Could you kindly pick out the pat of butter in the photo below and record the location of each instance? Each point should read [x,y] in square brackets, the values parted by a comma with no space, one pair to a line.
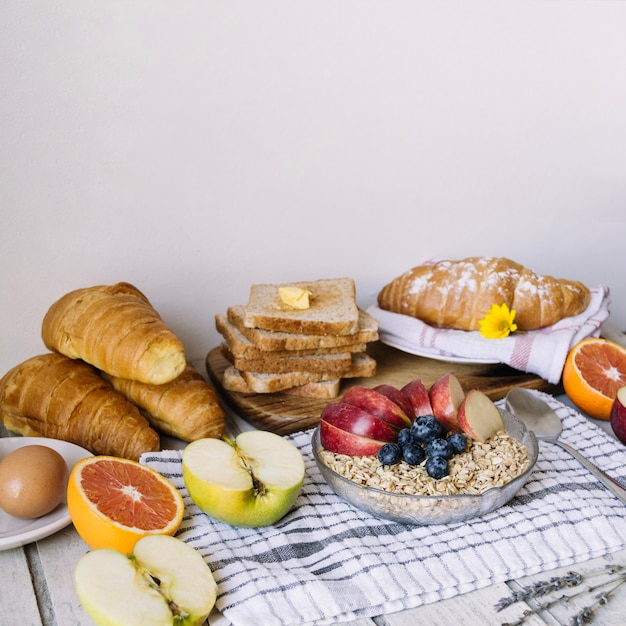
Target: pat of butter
[295,297]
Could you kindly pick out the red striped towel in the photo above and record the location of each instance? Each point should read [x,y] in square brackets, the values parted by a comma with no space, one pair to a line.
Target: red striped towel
[542,352]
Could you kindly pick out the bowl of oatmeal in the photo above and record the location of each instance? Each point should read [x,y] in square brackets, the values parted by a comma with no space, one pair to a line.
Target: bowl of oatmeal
[480,480]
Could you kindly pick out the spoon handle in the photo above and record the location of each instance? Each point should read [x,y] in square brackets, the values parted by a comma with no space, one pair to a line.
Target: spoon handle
[615,487]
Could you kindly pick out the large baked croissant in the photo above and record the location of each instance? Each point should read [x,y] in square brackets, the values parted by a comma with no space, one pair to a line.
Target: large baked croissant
[185,408]
[117,330]
[51,395]
[458,294]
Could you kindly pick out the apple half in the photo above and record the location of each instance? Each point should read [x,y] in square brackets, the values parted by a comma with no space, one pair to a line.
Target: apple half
[250,481]
[163,582]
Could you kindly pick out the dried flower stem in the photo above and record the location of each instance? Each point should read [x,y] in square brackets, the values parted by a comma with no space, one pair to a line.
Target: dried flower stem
[570,579]
[585,615]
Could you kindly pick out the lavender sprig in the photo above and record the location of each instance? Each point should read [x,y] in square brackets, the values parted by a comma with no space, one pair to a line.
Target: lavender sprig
[570,579]
[540,588]
[585,615]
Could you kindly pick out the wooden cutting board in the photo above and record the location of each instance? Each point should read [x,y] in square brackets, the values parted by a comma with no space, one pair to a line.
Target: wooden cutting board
[283,414]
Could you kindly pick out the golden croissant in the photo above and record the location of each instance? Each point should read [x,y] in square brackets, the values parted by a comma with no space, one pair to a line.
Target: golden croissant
[458,294]
[186,408]
[51,395]
[117,330]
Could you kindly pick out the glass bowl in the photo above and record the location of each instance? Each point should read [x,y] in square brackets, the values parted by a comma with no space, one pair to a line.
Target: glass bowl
[425,510]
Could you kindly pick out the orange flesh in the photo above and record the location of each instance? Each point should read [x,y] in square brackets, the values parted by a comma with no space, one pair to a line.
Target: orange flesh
[128,495]
[604,368]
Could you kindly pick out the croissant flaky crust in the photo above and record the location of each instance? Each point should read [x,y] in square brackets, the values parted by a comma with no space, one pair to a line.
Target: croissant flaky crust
[51,395]
[458,294]
[117,330]
[186,408]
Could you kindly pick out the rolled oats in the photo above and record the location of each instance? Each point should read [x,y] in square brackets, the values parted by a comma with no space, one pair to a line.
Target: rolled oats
[482,466]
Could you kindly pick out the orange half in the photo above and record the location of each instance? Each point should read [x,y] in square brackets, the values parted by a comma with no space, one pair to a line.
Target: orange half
[113,502]
[594,370]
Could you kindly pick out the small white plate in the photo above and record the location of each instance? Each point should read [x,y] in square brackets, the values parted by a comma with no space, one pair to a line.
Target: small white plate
[418,351]
[16,532]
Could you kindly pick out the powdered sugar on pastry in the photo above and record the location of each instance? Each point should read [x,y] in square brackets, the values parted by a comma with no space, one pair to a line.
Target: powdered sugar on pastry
[458,294]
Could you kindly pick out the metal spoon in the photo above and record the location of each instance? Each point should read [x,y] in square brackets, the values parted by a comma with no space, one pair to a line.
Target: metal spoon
[546,424]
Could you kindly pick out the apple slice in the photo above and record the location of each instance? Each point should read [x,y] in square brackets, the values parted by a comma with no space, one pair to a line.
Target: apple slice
[446,396]
[396,396]
[341,441]
[164,581]
[377,404]
[618,415]
[417,395]
[479,417]
[358,421]
[252,481]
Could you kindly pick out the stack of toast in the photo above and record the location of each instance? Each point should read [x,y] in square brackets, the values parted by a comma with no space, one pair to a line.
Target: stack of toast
[273,347]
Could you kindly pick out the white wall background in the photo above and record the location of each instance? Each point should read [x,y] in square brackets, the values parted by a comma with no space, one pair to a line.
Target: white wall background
[196,148]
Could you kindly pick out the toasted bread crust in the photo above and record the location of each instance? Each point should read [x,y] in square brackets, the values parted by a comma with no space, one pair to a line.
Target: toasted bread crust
[278,340]
[363,366]
[242,347]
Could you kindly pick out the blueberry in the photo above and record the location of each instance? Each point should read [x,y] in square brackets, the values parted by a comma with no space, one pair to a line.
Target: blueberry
[437,467]
[404,437]
[458,441]
[413,453]
[390,454]
[439,447]
[426,428]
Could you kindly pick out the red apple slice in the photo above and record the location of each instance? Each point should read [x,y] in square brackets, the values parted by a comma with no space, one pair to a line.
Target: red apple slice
[479,417]
[355,420]
[417,395]
[618,415]
[377,404]
[342,442]
[446,396]
[396,396]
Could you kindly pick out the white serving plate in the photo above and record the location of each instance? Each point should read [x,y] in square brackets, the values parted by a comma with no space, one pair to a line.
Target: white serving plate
[16,532]
[419,351]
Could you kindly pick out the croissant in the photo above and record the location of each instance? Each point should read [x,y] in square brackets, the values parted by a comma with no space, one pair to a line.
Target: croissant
[186,408]
[53,396]
[458,294]
[115,329]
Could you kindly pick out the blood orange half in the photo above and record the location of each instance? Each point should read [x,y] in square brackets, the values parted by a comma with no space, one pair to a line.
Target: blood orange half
[113,502]
[594,370]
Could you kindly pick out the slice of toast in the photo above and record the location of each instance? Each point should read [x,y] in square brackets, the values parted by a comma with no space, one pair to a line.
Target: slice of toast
[277,340]
[260,382]
[240,346]
[363,366]
[336,364]
[332,310]
[323,389]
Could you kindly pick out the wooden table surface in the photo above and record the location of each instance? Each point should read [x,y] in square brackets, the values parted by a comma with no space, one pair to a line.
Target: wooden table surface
[37,588]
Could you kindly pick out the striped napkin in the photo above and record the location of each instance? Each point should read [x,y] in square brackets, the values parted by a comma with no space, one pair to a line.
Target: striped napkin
[542,352]
[328,562]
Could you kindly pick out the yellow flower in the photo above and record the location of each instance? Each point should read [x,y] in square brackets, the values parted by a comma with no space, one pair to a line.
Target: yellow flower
[498,323]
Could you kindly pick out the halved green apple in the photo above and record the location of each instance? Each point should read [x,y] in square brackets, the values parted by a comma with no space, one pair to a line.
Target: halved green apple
[252,481]
[163,582]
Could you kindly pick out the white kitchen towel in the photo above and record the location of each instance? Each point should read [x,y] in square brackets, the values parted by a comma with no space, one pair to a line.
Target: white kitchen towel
[328,562]
[542,352]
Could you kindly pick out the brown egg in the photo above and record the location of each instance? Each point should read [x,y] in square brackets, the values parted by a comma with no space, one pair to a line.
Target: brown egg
[33,480]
